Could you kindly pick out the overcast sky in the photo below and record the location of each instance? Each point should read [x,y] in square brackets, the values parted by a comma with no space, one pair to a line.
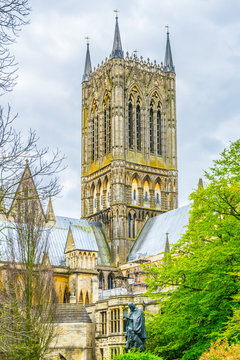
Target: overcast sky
[205,41]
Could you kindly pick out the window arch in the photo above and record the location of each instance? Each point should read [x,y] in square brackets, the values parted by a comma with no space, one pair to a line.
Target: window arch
[87,300]
[130,123]
[94,135]
[146,192]
[159,135]
[66,296]
[157,196]
[101,281]
[81,297]
[110,281]
[134,191]
[129,225]
[151,127]
[138,124]
[107,114]
[134,226]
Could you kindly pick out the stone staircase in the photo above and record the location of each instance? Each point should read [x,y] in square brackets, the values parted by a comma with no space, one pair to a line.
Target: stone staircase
[72,313]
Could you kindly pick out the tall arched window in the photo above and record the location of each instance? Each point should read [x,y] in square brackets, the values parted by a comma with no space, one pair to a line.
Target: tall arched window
[81,297]
[87,298]
[151,128]
[130,123]
[66,296]
[138,124]
[101,281]
[107,115]
[159,142]
[94,142]
[134,226]
[129,225]
[110,281]
[109,128]
[105,131]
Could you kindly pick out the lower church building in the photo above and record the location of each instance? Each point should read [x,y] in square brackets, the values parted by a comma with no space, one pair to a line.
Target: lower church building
[130,213]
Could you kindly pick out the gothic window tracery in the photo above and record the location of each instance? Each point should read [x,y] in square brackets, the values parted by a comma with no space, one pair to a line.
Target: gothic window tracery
[138,124]
[159,143]
[151,128]
[146,192]
[129,225]
[134,121]
[107,114]
[95,132]
[134,226]
[130,122]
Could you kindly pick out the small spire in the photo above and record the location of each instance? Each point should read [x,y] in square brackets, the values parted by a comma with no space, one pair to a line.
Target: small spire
[167,246]
[117,51]
[50,213]
[168,61]
[200,184]
[88,66]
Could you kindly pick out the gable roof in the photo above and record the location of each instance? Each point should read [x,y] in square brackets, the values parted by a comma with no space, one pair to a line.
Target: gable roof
[57,238]
[152,239]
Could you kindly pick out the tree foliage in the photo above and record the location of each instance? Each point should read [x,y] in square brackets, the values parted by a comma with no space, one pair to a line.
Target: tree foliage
[222,351]
[200,276]
[137,355]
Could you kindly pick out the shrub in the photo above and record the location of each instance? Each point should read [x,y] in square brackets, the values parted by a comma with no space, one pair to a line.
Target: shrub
[137,355]
[222,350]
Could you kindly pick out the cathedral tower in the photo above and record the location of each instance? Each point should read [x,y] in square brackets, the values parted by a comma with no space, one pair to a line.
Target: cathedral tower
[129,150]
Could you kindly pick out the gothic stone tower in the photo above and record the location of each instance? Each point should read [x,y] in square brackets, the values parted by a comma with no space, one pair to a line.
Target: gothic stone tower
[129,151]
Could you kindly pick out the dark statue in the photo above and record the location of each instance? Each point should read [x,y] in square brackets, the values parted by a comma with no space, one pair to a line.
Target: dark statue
[135,329]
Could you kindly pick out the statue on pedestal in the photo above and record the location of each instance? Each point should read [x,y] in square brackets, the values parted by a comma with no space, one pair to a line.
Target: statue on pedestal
[135,329]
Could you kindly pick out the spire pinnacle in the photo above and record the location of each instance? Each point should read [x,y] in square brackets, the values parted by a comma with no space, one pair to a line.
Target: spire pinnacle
[117,51]
[168,61]
[88,66]
[50,213]
[167,246]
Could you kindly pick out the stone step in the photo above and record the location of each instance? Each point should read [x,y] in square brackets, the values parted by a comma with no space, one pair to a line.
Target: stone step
[71,313]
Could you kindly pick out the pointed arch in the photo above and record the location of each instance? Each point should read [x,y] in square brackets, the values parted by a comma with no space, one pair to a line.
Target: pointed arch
[130,122]
[94,130]
[129,225]
[107,116]
[81,297]
[151,126]
[138,123]
[87,299]
[66,296]
[134,225]
[110,281]
[159,130]
[101,281]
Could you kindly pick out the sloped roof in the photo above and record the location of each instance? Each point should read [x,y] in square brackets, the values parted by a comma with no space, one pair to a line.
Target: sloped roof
[152,239]
[87,235]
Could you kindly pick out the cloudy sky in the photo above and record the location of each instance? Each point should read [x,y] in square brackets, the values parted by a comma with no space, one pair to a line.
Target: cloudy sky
[205,40]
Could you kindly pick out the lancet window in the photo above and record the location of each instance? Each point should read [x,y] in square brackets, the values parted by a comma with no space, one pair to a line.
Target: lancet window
[107,113]
[159,143]
[155,126]
[138,124]
[130,122]
[95,140]
[134,121]
[151,127]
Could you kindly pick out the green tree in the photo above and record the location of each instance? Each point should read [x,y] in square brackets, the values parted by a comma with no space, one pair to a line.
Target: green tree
[200,276]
